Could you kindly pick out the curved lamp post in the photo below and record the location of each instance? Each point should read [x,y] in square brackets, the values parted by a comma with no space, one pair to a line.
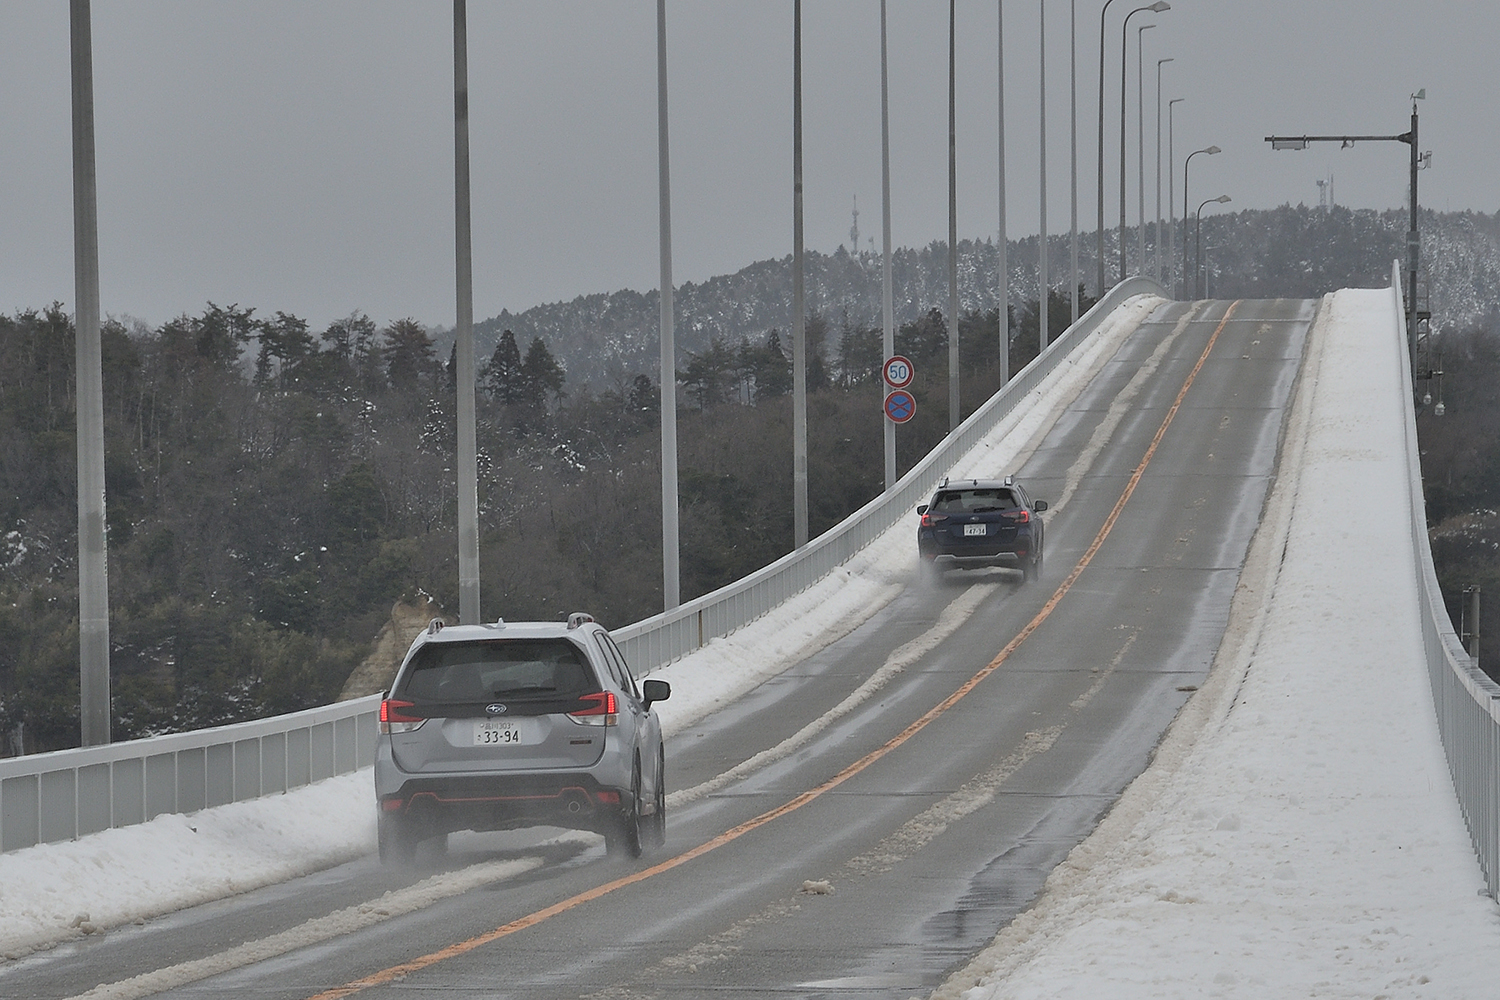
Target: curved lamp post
[1140,147]
[1156,226]
[1157,7]
[1210,150]
[1099,230]
[1172,198]
[1198,238]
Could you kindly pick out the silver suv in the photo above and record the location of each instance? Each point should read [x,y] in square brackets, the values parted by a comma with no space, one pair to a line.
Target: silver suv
[492,727]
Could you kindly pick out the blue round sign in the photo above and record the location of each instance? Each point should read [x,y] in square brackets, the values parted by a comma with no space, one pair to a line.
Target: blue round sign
[900,406]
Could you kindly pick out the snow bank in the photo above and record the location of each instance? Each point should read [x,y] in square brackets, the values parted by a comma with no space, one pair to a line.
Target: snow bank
[55,892]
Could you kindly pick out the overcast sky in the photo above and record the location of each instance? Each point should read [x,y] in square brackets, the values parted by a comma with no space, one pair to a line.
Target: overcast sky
[298,154]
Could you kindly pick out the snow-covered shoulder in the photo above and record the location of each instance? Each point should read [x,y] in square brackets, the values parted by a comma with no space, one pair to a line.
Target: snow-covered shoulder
[55,892]
[1298,835]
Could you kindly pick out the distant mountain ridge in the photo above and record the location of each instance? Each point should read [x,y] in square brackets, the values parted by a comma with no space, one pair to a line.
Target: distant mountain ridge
[606,339]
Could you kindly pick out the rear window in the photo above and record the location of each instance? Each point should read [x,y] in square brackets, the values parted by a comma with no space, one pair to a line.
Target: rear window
[973,501]
[511,668]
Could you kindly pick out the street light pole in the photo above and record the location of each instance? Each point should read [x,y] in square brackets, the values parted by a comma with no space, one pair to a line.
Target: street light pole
[1100,190]
[1140,147]
[1043,285]
[887,301]
[671,585]
[1198,240]
[1156,226]
[799,300]
[1002,294]
[468,453]
[1073,158]
[1210,150]
[1157,7]
[1171,200]
[93,571]
[953,407]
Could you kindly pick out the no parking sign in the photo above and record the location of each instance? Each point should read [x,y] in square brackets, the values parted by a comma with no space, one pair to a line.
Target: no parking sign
[900,406]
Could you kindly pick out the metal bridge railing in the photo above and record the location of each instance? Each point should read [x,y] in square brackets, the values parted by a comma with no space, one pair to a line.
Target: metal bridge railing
[57,796]
[66,794]
[1466,699]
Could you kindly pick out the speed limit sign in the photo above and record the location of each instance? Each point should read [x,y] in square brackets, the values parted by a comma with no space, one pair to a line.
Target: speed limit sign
[898,372]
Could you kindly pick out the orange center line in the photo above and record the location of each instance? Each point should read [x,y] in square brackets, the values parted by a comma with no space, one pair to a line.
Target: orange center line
[396,972]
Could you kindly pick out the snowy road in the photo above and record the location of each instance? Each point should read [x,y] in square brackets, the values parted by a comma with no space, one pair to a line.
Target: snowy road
[930,767]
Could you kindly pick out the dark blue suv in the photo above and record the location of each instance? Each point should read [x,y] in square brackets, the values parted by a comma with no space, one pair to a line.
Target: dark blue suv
[981,522]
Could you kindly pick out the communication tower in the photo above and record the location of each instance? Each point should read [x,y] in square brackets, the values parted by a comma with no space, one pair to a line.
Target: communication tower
[854,229]
[1325,194]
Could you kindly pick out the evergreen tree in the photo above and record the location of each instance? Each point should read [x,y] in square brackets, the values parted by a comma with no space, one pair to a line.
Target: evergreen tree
[858,359]
[709,374]
[817,352]
[773,369]
[220,334]
[542,377]
[284,341]
[644,399]
[408,355]
[502,376]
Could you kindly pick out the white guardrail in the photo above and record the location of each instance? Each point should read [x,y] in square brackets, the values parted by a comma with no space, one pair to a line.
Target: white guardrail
[50,797]
[1466,699]
[66,794]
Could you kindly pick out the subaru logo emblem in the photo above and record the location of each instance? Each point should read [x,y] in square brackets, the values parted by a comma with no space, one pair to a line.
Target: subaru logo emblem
[494,709]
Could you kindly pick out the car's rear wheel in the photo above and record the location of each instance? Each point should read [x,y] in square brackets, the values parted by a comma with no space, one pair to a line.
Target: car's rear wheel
[932,572]
[1034,568]
[397,838]
[622,835]
[656,834]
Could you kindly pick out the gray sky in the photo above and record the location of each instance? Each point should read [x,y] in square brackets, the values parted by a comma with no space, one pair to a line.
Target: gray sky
[298,154]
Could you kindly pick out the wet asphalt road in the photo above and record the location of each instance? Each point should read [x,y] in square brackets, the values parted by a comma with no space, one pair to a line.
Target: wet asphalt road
[930,839]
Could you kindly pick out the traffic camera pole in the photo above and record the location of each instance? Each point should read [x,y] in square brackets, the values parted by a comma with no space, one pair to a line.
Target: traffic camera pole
[1413,236]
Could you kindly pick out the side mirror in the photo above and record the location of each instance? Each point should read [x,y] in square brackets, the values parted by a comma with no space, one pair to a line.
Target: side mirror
[653,691]
[1039,506]
[921,508]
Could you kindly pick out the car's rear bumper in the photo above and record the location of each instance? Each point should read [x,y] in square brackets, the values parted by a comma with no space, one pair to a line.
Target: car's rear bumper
[950,560]
[491,802]
[994,553]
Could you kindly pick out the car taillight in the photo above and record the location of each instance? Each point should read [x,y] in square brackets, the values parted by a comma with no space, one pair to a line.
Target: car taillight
[602,712]
[928,520]
[1021,516]
[393,720]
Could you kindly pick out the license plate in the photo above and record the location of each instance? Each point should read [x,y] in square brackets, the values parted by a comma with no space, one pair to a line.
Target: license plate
[495,733]
[974,529]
